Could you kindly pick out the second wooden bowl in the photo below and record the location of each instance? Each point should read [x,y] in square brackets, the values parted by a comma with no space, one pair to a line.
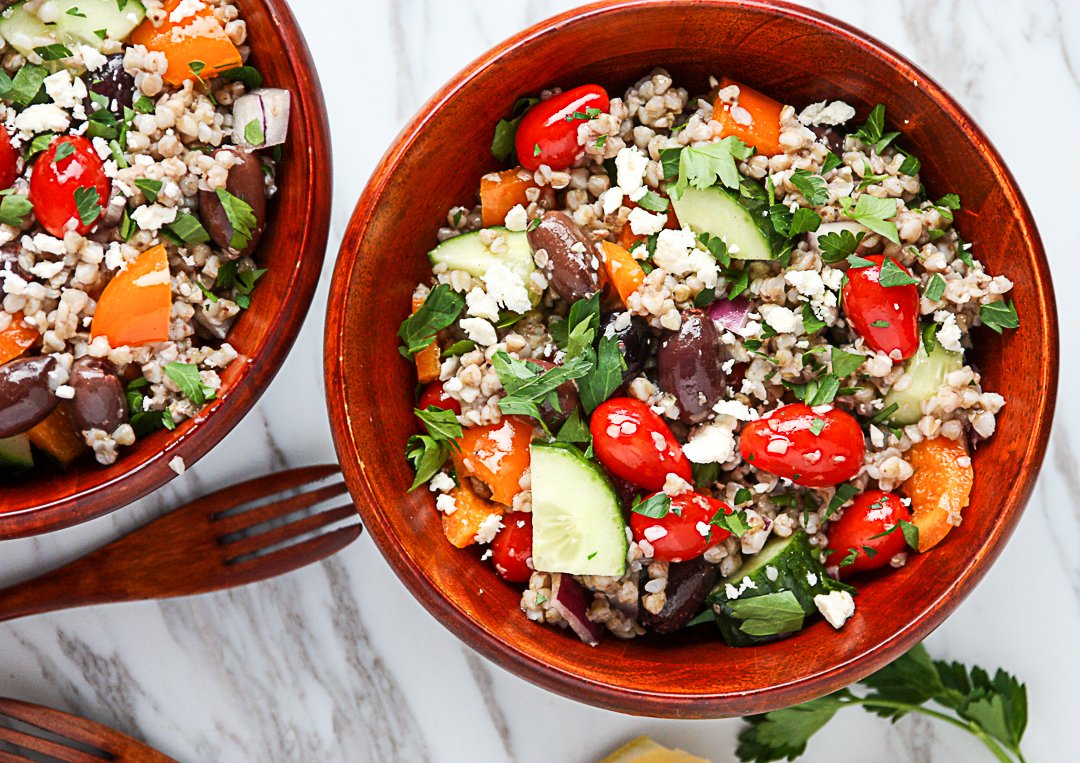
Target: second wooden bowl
[795,55]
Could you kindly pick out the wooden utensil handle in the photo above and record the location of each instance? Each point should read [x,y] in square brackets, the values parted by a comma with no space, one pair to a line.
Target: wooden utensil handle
[73,585]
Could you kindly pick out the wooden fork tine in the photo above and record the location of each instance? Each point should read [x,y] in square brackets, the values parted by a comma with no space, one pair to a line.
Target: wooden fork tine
[230,497]
[253,517]
[46,747]
[270,538]
[74,728]
[299,555]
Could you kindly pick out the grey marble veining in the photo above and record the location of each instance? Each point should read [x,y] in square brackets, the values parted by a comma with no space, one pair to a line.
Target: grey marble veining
[339,663]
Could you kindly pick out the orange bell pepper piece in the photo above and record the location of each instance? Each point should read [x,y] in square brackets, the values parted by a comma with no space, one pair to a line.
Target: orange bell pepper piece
[428,360]
[472,511]
[136,305]
[56,436]
[500,192]
[756,119]
[497,455]
[196,39]
[940,488]
[16,339]
[623,271]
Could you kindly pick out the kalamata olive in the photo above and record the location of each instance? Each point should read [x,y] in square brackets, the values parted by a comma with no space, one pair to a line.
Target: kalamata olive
[635,340]
[568,398]
[571,260]
[99,401]
[688,583]
[833,137]
[690,366]
[9,260]
[26,397]
[113,82]
[247,183]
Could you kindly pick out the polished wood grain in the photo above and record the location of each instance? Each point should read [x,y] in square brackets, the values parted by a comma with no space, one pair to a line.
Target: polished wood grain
[292,248]
[34,733]
[241,534]
[795,55]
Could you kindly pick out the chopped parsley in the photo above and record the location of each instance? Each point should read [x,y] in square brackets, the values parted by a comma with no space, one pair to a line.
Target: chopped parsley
[811,186]
[838,246]
[873,132]
[14,208]
[441,308]
[703,166]
[87,204]
[874,213]
[241,219]
[999,315]
[935,289]
[656,507]
[893,275]
[187,377]
[151,188]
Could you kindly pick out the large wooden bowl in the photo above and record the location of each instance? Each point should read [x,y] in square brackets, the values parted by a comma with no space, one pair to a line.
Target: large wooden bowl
[292,247]
[796,55]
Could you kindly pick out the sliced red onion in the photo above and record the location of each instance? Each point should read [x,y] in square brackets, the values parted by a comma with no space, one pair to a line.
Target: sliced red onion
[571,601]
[269,107]
[730,313]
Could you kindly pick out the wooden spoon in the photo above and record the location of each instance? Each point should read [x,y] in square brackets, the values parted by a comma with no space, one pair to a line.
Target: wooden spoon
[229,538]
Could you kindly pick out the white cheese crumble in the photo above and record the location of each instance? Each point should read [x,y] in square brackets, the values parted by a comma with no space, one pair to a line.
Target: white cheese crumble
[185,10]
[806,282]
[479,330]
[654,533]
[506,288]
[836,607]
[782,319]
[441,483]
[630,164]
[65,91]
[825,113]
[949,334]
[744,585]
[677,253]
[674,485]
[482,305]
[489,528]
[42,117]
[712,443]
[517,219]
[645,223]
[611,199]
[65,392]
[153,216]
[446,504]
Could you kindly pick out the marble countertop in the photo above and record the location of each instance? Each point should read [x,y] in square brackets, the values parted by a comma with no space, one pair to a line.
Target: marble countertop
[339,663]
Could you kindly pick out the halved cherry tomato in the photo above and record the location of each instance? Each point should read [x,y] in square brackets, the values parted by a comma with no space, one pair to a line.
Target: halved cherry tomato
[9,160]
[633,443]
[55,186]
[784,443]
[684,533]
[547,133]
[886,317]
[435,395]
[497,455]
[871,514]
[512,548]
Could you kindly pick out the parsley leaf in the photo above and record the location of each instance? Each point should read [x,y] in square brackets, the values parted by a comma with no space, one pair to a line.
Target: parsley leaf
[998,316]
[893,275]
[836,247]
[873,132]
[502,143]
[253,133]
[845,363]
[151,188]
[844,493]
[735,522]
[811,186]
[189,380]
[832,161]
[528,385]
[656,507]
[53,52]
[811,323]
[874,213]
[935,288]
[606,375]
[440,424]
[574,430]
[14,208]
[427,456]
[768,615]
[25,85]
[441,308]
[88,204]
[704,165]
[189,229]
[653,202]
[241,219]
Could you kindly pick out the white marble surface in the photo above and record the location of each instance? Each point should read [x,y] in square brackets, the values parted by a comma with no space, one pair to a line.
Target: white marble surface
[338,663]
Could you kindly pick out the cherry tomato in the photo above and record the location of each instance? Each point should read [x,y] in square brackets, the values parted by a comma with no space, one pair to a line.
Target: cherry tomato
[9,160]
[547,134]
[886,317]
[871,514]
[684,533]
[814,449]
[435,395]
[633,443]
[512,548]
[54,186]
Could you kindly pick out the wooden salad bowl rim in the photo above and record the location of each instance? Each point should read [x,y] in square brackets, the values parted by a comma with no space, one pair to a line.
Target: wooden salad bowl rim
[298,226]
[363,458]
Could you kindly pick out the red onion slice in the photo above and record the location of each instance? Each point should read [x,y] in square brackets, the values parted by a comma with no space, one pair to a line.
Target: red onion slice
[570,600]
[730,313]
[269,107]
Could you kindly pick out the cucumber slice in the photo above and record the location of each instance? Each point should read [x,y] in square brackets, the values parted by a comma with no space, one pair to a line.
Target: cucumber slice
[467,252]
[15,455]
[721,214]
[784,564]
[25,31]
[578,525]
[927,372]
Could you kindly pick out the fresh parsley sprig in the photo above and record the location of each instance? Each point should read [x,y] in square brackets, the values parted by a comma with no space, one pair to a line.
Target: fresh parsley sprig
[873,132]
[994,709]
[441,308]
[704,165]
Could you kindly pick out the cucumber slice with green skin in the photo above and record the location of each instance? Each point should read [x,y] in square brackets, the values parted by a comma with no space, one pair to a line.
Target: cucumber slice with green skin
[25,31]
[578,525]
[467,252]
[15,454]
[784,564]
[927,372]
[734,220]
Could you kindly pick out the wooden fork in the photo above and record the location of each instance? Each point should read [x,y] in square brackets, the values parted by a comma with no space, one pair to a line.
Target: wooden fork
[229,538]
[33,733]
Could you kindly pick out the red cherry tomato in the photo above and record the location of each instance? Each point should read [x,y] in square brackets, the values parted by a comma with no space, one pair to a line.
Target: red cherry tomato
[547,133]
[435,395]
[9,160]
[886,317]
[633,443]
[784,443]
[512,548]
[54,184]
[684,533]
[871,514]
